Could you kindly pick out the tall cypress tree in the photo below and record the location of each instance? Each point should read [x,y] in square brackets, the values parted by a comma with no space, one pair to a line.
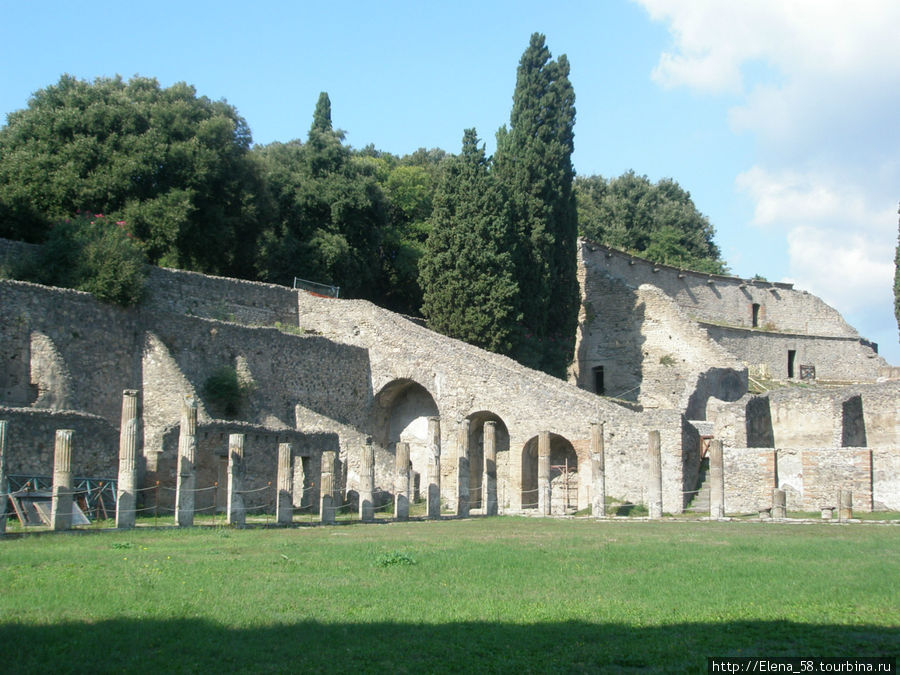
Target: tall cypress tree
[534,165]
[467,272]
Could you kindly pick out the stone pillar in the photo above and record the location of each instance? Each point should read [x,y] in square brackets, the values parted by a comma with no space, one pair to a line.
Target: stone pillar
[236,512]
[61,504]
[401,482]
[128,441]
[284,502]
[845,505]
[489,479]
[778,504]
[187,456]
[326,488]
[654,476]
[367,483]
[716,480]
[4,479]
[543,477]
[433,497]
[462,469]
[598,471]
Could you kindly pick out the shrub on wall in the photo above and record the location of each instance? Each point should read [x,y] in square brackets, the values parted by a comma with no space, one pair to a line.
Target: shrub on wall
[225,390]
[90,253]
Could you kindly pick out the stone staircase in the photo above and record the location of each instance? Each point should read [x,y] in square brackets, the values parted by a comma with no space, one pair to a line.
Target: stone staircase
[700,502]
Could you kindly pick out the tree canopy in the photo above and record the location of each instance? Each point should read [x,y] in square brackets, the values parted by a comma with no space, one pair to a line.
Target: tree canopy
[655,220]
[175,166]
[534,166]
[467,273]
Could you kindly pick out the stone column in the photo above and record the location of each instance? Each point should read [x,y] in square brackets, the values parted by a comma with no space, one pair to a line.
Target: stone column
[778,504]
[61,504]
[845,505]
[654,476]
[236,512]
[433,497]
[187,456]
[401,482]
[4,479]
[326,488]
[543,477]
[598,471]
[128,441]
[716,480]
[284,502]
[489,479]
[367,483]
[462,469]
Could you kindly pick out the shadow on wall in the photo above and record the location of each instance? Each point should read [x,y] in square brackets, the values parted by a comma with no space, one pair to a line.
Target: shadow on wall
[725,384]
[609,356]
[196,645]
[760,432]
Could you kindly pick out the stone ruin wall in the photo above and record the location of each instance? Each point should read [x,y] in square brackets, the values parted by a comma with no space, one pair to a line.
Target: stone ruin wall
[845,359]
[650,350]
[813,443]
[721,299]
[786,318]
[64,350]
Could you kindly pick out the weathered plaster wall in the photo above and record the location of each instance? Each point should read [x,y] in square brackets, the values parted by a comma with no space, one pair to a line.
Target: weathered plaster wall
[725,299]
[766,353]
[649,349]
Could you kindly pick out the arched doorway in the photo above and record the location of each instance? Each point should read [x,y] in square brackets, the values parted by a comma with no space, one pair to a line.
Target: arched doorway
[476,458]
[401,411]
[564,480]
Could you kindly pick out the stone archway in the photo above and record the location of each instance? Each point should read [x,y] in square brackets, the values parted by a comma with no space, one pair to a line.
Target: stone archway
[477,466]
[400,413]
[564,477]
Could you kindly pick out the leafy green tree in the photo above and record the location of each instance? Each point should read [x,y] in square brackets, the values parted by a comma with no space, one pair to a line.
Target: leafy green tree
[657,221]
[534,166]
[468,273]
[90,253]
[175,166]
[329,209]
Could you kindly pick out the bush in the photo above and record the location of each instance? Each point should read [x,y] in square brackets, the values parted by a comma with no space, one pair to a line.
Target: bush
[224,390]
[93,254]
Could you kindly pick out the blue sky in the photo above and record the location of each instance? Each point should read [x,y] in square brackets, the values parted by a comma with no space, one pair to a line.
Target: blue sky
[779,116]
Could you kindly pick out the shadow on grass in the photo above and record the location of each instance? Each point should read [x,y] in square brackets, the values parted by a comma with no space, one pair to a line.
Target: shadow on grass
[195,645]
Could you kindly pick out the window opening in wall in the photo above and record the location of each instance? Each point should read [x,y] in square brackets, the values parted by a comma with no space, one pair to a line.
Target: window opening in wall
[791,354]
[599,388]
[755,314]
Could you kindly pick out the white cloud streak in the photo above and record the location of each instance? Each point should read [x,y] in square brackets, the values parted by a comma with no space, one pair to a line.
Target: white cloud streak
[816,84]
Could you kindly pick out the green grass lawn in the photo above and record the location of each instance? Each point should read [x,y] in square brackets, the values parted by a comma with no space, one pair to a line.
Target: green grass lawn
[488,595]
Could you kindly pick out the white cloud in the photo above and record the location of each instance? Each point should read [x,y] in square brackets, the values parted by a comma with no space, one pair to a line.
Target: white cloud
[816,85]
[839,246]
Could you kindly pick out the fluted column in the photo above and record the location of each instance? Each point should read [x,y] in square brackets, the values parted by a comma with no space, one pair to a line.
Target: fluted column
[128,443]
[326,487]
[489,477]
[845,504]
[654,476]
[598,471]
[433,498]
[543,478]
[401,482]
[716,480]
[61,504]
[284,503]
[187,456]
[237,512]
[462,469]
[367,483]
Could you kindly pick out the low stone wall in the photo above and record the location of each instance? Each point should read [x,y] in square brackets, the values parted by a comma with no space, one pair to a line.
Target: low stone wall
[31,436]
[811,478]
